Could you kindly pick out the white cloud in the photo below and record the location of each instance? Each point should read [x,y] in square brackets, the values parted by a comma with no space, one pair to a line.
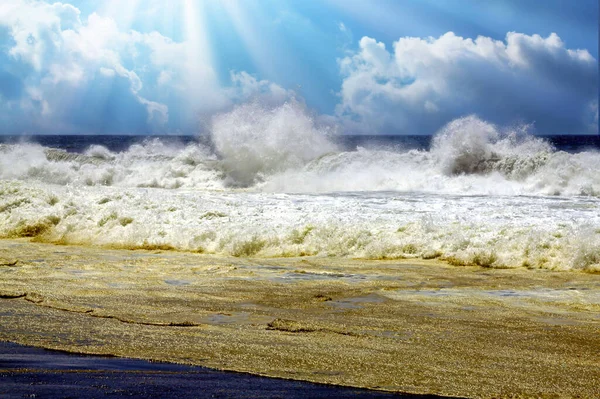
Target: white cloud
[158,114]
[247,87]
[35,28]
[164,78]
[63,53]
[91,75]
[424,83]
[107,72]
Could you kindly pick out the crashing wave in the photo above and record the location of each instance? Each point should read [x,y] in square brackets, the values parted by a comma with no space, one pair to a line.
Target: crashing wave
[255,142]
[283,149]
[505,232]
[479,196]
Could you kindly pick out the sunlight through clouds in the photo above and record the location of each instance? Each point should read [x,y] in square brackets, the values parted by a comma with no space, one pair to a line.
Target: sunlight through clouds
[199,73]
[258,47]
[158,66]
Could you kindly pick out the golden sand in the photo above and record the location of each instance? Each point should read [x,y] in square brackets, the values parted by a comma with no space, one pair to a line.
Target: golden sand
[409,326]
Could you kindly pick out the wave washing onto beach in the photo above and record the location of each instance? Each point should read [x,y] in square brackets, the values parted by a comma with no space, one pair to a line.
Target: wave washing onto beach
[272,182]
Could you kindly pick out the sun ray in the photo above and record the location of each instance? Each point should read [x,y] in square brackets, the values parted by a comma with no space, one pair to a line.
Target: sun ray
[200,73]
[260,52]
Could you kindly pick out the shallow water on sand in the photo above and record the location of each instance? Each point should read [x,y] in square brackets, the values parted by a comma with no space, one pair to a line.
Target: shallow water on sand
[34,372]
[408,326]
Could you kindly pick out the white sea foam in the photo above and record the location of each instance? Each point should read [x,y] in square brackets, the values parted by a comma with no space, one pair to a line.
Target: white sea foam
[501,231]
[481,195]
[151,164]
[256,142]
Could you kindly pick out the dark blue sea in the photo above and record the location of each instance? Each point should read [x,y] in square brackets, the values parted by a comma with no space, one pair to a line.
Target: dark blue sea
[79,143]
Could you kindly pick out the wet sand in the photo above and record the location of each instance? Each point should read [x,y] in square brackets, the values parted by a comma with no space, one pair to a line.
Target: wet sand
[33,372]
[403,326]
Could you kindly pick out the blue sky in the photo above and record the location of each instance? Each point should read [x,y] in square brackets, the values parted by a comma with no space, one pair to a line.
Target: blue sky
[370,67]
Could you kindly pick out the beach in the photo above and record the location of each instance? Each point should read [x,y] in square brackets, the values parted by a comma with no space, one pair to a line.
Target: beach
[410,326]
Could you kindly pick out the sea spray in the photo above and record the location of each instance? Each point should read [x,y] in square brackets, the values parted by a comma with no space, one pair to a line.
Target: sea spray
[149,164]
[282,149]
[468,156]
[255,141]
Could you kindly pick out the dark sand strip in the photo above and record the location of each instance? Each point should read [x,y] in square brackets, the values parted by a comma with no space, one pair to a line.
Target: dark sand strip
[33,372]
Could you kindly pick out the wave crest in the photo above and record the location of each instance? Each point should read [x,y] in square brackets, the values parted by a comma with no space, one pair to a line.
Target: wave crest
[255,141]
[283,149]
[472,146]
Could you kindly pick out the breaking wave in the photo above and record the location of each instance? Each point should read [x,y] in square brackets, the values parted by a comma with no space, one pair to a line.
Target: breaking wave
[282,149]
[255,142]
[150,164]
[274,182]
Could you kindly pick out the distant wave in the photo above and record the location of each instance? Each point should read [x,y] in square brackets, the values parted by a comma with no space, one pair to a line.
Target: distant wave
[283,150]
[468,156]
[151,164]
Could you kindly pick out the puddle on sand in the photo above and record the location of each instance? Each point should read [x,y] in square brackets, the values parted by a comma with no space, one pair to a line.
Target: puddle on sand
[543,295]
[179,283]
[548,295]
[356,302]
[236,318]
[80,272]
[426,293]
[7,314]
[559,321]
[295,276]
[282,274]
[119,285]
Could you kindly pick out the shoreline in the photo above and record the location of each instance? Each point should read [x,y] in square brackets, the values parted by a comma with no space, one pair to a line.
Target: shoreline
[27,371]
[401,326]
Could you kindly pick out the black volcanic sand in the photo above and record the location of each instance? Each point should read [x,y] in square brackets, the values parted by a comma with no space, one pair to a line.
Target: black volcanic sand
[33,372]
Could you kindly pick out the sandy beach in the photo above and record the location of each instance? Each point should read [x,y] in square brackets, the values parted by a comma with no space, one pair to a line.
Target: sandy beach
[403,326]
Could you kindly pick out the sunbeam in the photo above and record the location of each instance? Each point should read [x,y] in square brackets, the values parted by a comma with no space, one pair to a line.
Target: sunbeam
[260,47]
[199,71]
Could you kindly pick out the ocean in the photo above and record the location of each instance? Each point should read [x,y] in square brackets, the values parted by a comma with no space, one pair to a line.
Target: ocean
[274,183]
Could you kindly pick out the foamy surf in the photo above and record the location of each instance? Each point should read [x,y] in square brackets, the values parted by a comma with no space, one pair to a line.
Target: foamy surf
[274,182]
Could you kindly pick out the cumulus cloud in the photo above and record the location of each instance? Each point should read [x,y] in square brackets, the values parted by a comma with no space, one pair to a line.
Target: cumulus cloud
[66,63]
[62,73]
[247,87]
[421,84]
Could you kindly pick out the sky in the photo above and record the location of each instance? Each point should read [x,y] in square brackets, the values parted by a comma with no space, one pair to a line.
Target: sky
[367,67]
